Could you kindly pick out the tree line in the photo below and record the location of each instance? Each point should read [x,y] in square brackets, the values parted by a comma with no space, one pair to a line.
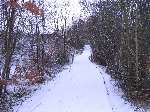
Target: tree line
[119,34]
[33,47]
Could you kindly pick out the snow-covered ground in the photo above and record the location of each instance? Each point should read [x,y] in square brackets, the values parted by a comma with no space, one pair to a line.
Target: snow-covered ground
[84,87]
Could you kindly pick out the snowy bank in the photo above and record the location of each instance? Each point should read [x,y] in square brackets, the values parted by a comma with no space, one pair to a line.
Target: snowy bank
[83,87]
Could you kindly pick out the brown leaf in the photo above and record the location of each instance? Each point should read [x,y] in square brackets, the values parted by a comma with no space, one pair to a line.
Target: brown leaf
[13,4]
[33,8]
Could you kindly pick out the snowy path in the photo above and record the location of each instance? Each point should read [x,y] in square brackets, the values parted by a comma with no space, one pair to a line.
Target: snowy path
[79,89]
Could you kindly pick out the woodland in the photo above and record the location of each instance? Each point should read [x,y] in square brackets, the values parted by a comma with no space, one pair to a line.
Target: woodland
[118,32]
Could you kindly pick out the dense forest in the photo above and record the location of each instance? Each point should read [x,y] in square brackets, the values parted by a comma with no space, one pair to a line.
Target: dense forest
[119,34]
[31,50]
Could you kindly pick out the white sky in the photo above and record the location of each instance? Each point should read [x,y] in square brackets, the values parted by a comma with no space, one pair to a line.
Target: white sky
[56,9]
[72,10]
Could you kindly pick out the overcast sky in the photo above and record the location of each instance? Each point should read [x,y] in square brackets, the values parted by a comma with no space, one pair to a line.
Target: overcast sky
[73,9]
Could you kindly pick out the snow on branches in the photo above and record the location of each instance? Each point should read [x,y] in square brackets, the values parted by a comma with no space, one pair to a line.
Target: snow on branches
[32,7]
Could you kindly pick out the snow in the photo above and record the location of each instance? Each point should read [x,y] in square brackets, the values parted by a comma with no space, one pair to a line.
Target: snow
[84,87]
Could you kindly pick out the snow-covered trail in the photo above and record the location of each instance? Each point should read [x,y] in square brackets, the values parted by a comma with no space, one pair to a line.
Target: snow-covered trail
[78,89]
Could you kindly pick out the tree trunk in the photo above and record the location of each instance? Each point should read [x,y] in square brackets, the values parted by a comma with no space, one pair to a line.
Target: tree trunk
[10,44]
[136,52]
